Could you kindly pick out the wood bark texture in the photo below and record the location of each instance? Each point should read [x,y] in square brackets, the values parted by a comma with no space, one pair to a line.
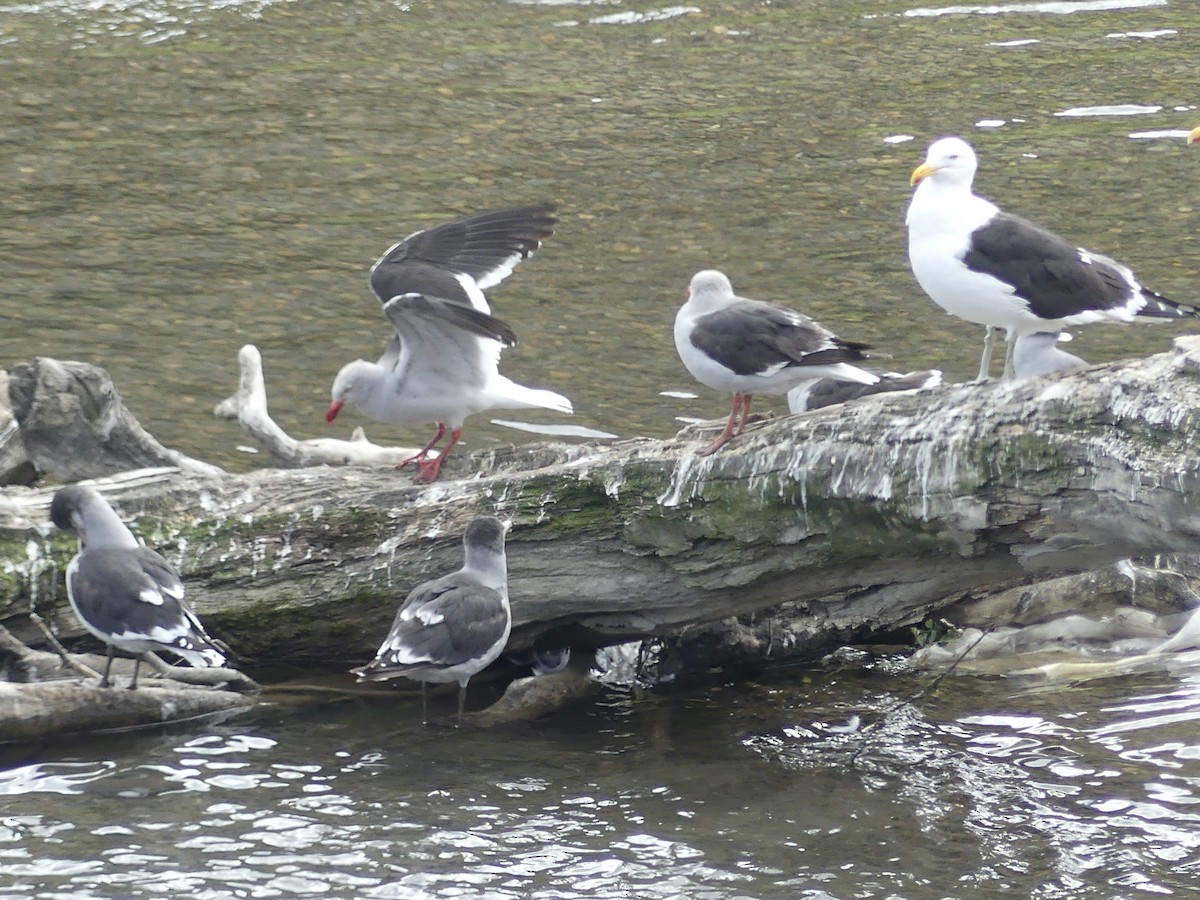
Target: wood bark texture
[862,518]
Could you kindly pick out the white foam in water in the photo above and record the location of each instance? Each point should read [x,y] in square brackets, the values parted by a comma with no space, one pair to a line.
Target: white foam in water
[1119,109]
[1169,134]
[1142,34]
[1062,7]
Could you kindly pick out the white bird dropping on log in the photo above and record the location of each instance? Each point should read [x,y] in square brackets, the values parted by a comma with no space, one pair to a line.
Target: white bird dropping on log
[1002,271]
[122,592]
[452,627]
[746,347]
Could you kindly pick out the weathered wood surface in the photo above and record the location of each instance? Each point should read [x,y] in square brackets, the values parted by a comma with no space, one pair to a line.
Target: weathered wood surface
[44,694]
[29,711]
[248,406]
[75,405]
[863,518]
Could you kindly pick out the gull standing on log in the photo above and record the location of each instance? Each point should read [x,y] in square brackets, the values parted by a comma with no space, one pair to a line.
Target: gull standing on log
[123,592]
[442,364]
[747,347]
[1002,271]
[452,627]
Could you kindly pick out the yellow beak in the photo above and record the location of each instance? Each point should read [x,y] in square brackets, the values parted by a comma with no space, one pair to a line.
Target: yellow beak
[1194,135]
[921,172]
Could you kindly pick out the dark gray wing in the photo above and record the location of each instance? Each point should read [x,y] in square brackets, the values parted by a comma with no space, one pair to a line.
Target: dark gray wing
[828,391]
[1057,279]
[402,308]
[752,338]
[443,623]
[484,247]
[135,592]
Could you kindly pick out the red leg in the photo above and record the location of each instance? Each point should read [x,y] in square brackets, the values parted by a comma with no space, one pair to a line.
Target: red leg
[747,399]
[725,435]
[431,468]
[420,457]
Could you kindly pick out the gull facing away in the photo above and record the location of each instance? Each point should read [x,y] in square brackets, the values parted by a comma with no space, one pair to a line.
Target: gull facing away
[442,364]
[747,347]
[1039,354]
[122,592]
[1002,271]
[816,393]
[452,627]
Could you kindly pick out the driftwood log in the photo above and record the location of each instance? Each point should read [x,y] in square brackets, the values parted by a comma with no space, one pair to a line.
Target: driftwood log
[249,407]
[858,519]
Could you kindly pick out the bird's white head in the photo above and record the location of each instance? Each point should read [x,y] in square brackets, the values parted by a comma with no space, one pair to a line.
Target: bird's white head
[949,160]
[352,384]
[709,286]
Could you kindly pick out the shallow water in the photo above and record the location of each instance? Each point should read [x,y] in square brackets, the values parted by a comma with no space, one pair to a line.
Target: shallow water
[826,782]
[187,177]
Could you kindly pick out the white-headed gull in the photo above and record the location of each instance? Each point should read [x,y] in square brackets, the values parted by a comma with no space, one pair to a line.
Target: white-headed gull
[820,392]
[746,347]
[1002,271]
[124,593]
[452,627]
[442,364]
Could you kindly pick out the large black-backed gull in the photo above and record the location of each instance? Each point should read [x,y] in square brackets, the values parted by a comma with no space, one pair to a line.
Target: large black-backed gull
[1002,271]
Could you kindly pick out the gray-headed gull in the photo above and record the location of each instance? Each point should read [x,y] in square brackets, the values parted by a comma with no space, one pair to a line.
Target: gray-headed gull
[746,347]
[452,627]
[122,592]
[442,364]
[1002,271]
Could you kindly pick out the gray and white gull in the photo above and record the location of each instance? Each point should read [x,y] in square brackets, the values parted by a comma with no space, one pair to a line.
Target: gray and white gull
[442,364]
[123,592]
[747,347]
[452,627]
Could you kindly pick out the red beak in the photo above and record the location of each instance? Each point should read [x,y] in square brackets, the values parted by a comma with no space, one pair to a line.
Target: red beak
[334,408]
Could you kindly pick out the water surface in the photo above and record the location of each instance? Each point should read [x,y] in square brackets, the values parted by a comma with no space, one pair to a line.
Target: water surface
[183,178]
[188,177]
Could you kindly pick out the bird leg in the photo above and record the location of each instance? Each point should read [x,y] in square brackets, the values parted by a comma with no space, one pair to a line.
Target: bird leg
[420,457]
[462,698]
[989,343]
[1010,370]
[747,399]
[740,401]
[431,468]
[137,663]
[104,682]
[424,706]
